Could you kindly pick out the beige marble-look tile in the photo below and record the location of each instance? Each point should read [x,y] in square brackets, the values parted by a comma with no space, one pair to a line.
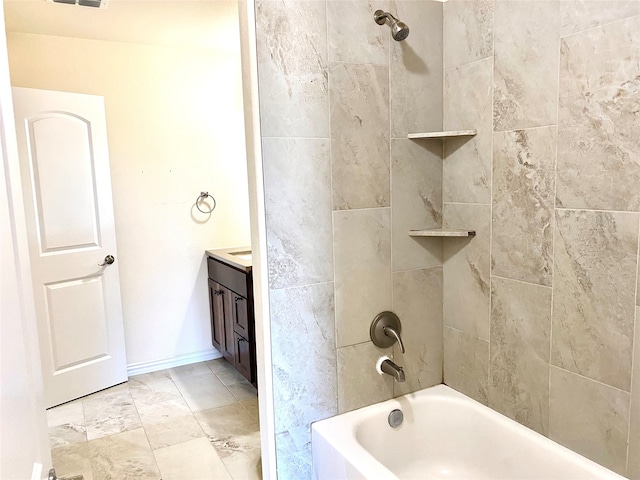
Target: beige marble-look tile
[67,434]
[360,136]
[303,355]
[228,421]
[416,69]
[523,204]
[593,308]
[245,465]
[520,352]
[359,383]
[189,370]
[589,418]
[468,31]
[168,423]
[108,413]
[68,413]
[353,35]
[467,270]
[598,146]
[466,364]
[231,430]
[196,459]
[225,371]
[292,68]
[298,211]
[416,196]
[202,392]
[252,407]
[243,390]
[150,378]
[417,300]
[66,424]
[525,64]
[125,456]
[467,160]
[362,252]
[578,15]
[72,460]
[633,465]
[151,392]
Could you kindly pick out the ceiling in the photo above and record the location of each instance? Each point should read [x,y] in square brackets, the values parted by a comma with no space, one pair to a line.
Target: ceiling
[200,23]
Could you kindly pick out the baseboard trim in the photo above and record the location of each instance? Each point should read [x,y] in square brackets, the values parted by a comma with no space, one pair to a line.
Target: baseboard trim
[186,359]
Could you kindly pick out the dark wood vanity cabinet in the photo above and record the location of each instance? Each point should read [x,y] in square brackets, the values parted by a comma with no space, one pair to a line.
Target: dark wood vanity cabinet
[232,316]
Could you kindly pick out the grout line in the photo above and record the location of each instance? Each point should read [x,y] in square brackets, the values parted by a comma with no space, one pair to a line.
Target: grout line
[442,175]
[591,379]
[305,285]
[595,27]
[533,127]
[391,255]
[417,269]
[553,240]
[333,223]
[276,137]
[565,209]
[467,203]
[502,277]
[634,347]
[466,64]
[493,60]
[353,210]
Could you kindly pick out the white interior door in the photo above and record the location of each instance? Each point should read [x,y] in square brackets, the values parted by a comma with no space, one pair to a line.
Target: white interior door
[64,164]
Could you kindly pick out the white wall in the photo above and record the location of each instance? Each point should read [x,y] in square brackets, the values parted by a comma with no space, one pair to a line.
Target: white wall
[175,126]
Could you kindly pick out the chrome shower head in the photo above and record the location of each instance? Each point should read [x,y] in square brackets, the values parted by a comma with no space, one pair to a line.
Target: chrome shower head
[399,30]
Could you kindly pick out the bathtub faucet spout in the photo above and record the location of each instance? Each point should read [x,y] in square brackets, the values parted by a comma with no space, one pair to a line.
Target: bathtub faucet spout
[390,368]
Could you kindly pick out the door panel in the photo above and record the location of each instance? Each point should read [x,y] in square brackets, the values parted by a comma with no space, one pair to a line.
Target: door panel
[240,315]
[75,309]
[59,149]
[243,356]
[229,341]
[216,304]
[64,162]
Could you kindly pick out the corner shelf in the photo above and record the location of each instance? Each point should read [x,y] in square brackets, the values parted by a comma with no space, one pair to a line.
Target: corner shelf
[442,232]
[449,134]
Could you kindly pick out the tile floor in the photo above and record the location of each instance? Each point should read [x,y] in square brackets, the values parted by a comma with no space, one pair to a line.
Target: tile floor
[194,422]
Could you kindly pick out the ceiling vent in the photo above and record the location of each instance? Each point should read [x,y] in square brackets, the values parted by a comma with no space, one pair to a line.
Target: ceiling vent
[83,3]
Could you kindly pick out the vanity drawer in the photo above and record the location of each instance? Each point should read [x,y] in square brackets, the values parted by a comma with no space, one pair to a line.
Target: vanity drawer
[230,277]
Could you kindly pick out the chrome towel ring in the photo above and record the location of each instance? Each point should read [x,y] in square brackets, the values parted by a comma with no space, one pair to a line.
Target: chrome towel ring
[203,196]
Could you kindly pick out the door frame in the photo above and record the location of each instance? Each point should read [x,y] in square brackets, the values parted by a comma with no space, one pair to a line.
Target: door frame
[24,441]
[35,447]
[257,213]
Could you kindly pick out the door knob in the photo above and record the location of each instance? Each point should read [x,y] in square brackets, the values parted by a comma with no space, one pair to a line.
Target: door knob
[108,260]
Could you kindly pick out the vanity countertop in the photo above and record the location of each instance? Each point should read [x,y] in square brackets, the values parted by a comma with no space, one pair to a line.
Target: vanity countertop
[239,257]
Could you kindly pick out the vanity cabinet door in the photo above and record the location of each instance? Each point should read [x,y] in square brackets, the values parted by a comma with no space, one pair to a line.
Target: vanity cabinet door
[240,316]
[216,309]
[229,348]
[243,356]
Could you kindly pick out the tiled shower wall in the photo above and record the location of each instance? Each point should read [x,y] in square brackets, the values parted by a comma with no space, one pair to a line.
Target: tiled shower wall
[540,307]
[343,186]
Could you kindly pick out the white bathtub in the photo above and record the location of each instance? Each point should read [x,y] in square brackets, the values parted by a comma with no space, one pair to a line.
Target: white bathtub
[445,435]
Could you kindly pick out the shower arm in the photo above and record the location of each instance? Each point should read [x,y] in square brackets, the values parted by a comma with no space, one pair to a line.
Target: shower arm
[382,17]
